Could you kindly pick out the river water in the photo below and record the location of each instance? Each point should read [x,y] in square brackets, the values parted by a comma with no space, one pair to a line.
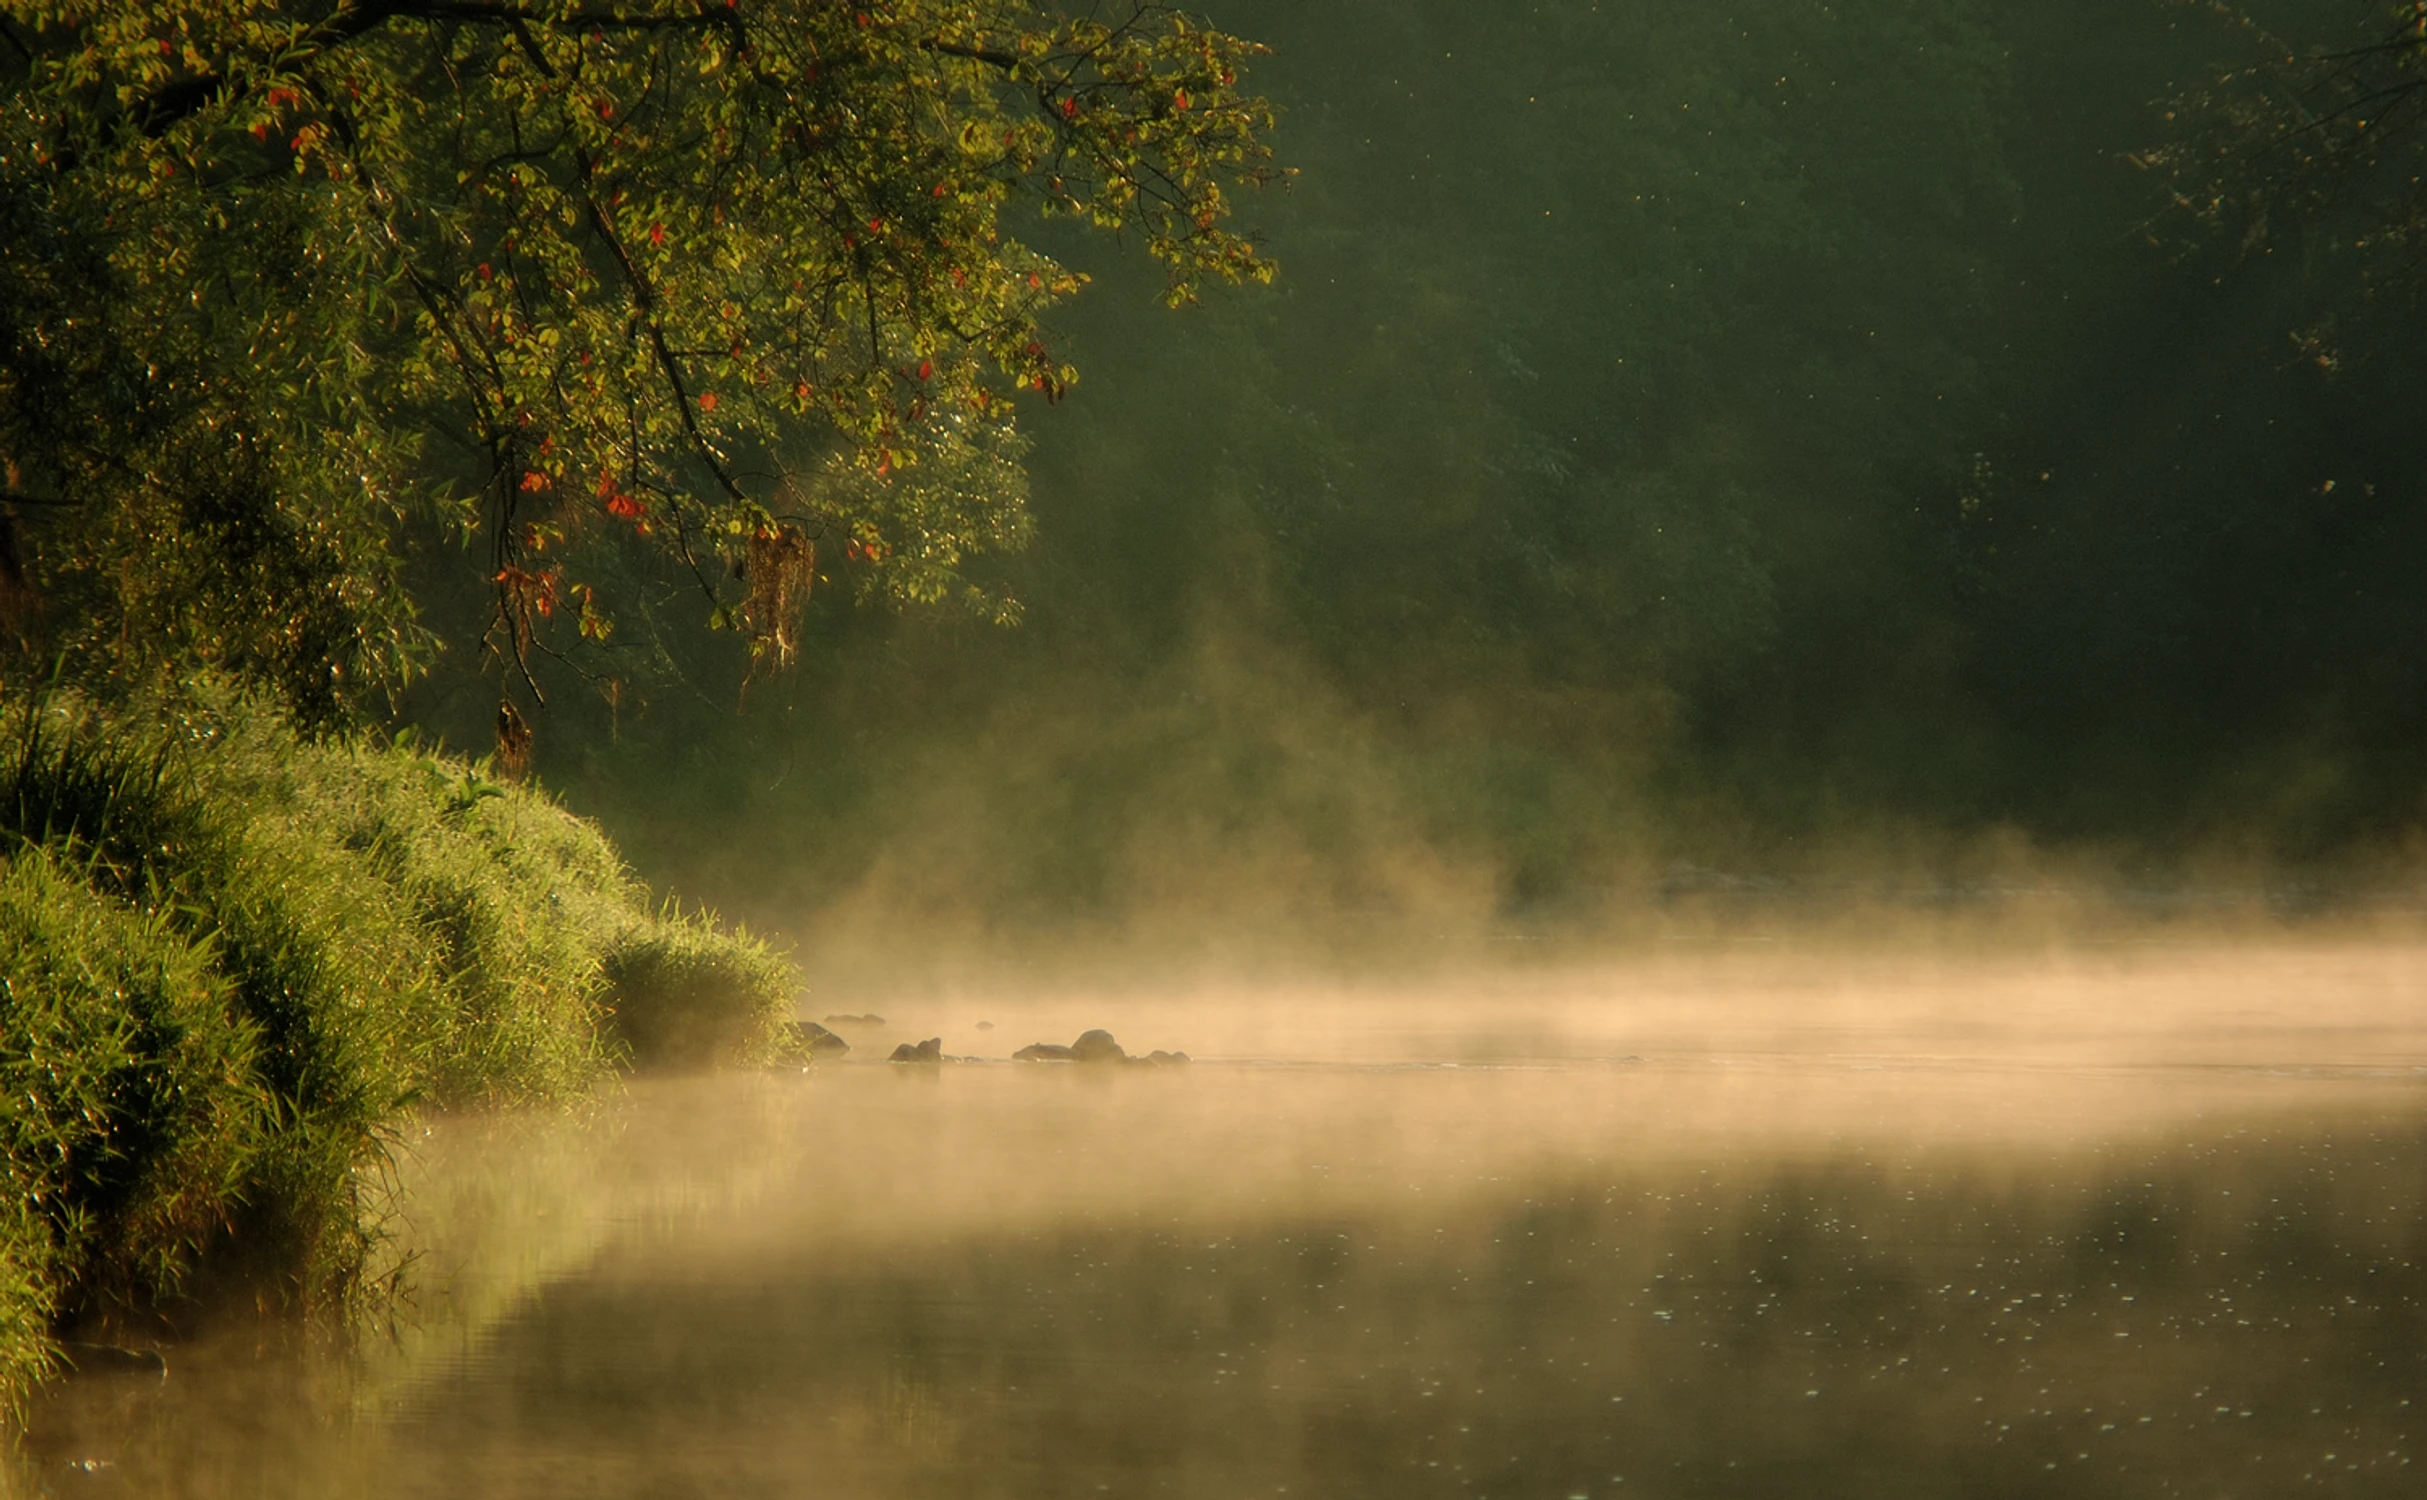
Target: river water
[2141,1223]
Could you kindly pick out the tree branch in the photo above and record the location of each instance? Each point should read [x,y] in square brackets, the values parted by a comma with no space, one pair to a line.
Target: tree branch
[168,105]
[645,299]
[8,28]
[992,58]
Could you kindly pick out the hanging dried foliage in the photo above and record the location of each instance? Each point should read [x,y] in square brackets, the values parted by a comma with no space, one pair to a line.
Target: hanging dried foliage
[778,568]
[513,739]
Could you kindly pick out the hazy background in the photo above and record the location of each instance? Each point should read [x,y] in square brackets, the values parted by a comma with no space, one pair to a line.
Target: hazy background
[1691,452]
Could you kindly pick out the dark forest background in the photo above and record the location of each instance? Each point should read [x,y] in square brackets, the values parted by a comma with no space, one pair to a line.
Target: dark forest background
[1689,446]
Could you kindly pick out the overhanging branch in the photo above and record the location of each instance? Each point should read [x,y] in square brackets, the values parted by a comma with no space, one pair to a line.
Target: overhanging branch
[988,55]
[165,107]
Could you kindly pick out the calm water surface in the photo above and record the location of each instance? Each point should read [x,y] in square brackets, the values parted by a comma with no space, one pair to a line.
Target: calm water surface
[2152,1226]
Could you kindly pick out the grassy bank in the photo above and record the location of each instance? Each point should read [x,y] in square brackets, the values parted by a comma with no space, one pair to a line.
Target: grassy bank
[232,960]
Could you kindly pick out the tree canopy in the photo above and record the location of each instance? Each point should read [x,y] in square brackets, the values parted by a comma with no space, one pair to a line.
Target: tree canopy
[742,282]
[2304,132]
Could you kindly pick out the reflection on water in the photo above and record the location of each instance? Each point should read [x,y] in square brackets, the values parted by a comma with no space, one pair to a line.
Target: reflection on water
[1801,1254]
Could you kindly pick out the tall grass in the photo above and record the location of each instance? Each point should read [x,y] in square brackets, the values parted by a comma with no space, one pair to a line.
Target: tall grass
[232,959]
[687,993]
[132,1111]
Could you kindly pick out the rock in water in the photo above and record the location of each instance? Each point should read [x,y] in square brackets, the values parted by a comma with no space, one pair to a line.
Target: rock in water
[928,1051]
[816,1042]
[1093,1047]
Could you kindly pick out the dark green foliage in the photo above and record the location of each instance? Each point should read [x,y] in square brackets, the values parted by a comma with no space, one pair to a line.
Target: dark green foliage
[156,498]
[232,959]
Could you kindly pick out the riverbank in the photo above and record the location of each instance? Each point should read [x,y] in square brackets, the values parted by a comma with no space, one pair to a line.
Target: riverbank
[233,961]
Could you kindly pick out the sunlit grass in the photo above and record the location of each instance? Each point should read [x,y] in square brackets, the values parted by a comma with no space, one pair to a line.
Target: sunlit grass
[232,960]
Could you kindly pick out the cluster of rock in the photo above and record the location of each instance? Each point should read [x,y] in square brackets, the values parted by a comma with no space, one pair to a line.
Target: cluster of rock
[1093,1047]
[816,1043]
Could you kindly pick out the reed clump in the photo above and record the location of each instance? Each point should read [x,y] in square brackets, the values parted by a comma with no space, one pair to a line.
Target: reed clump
[233,959]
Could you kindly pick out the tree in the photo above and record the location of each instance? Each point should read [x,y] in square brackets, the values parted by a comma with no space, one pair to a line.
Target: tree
[2302,134]
[740,282]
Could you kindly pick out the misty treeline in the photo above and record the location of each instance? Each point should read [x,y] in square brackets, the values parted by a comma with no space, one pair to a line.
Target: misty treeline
[1785,439]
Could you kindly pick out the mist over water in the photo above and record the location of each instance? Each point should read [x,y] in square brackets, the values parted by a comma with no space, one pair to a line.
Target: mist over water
[2126,1221]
